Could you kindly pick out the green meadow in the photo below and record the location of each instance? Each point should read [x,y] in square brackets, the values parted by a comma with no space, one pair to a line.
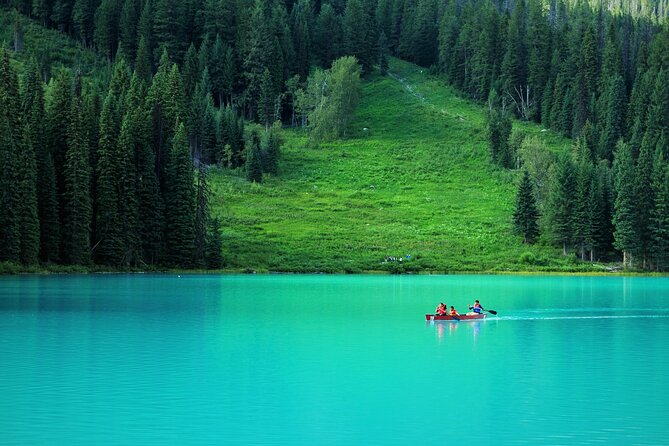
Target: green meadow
[413,178]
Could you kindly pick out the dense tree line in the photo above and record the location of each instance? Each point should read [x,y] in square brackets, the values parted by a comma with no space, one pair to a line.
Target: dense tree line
[108,180]
[118,175]
[594,71]
[599,76]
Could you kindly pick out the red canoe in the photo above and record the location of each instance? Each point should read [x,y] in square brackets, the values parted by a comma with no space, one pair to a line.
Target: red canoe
[462,317]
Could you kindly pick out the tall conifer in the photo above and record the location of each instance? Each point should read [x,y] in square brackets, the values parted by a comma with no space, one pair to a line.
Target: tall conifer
[526,214]
[77,221]
[180,203]
[624,216]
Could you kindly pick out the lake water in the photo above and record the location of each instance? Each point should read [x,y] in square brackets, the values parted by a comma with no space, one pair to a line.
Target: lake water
[332,360]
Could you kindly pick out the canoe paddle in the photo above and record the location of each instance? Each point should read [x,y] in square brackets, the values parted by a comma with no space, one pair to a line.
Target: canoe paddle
[491,311]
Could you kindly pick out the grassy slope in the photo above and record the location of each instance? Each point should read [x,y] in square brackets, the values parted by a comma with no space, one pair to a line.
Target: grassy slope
[418,182]
[62,50]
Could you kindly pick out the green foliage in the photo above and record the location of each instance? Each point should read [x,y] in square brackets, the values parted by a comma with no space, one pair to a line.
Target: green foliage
[254,160]
[624,216]
[498,130]
[77,199]
[560,209]
[339,90]
[10,149]
[526,215]
[180,203]
[412,184]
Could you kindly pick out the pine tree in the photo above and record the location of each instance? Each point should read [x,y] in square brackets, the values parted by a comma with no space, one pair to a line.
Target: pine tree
[328,36]
[83,16]
[167,28]
[357,34]
[560,202]
[526,215]
[214,244]
[143,61]
[109,244]
[76,227]
[498,130]
[586,80]
[254,160]
[266,100]
[128,27]
[659,223]
[614,118]
[148,197]
[10,248]
[129,141]
[180,203]
[538,65]
[624,215]
[32,96]
[302,21]
[26,193]
[582,196]
[643,200]
[10,148]
[106,27]
[272,149]
[514,69]
[203,195]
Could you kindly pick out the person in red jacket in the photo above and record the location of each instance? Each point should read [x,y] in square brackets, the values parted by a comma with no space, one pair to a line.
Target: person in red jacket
[441,309]
[453,312]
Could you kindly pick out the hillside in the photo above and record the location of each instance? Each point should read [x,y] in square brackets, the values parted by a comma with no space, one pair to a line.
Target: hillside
[414,179]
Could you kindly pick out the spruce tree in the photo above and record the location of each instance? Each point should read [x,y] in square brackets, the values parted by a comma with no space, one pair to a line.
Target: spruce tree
[109,244]
[10,243]
[214,244]
[538,65]
[180,203]
[659,222]
[498,130]
[106,27]
[586,80]
[77,220]
[272,149]
[266,100]
[10,148]
[83,16]
[643,200]
[514,64]
[128,26]
[203,194]
[26,194]
[328,36]
[526,215]
[560,208]
[614,118]
[143,61]
[357,34]
[302,21]
[130,139]
[32,96]
[624,216]
[254,160]
[582,197]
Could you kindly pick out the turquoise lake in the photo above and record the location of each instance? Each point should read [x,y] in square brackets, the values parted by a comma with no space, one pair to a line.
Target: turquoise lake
[332,360]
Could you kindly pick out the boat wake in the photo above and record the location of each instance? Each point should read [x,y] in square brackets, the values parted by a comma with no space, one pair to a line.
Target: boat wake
[572,317]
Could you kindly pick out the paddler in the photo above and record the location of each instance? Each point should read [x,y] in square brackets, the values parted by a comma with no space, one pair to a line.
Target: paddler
[476,308]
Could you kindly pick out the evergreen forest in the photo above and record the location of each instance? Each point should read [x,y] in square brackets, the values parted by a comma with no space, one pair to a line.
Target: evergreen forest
[334,135]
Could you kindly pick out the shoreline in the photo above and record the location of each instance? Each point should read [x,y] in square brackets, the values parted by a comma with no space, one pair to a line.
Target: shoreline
[13,269]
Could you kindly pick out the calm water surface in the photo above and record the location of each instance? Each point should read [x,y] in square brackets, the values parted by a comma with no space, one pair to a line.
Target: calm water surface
[332,360]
